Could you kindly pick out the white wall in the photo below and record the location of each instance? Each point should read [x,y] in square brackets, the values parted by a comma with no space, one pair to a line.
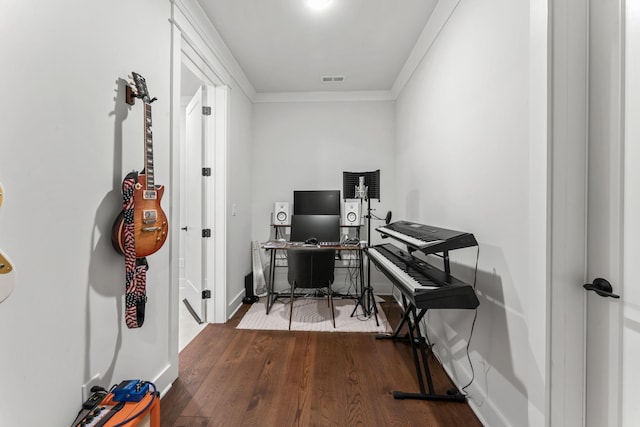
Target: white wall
[67,140]
[307,146]
[239,190]
[463,162]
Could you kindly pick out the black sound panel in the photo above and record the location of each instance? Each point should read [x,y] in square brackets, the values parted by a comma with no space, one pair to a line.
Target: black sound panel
[351,179]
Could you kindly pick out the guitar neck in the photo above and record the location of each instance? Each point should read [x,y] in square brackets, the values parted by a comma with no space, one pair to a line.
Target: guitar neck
[148,147]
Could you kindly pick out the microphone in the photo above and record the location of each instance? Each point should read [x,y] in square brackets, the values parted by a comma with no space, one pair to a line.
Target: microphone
[361,189]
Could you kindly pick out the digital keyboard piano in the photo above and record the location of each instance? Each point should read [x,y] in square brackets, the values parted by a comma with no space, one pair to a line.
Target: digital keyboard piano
[422,286]
[426,238]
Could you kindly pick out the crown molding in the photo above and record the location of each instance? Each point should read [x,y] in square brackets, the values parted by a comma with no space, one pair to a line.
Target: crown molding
[438,19]
[325,96]
[197,19]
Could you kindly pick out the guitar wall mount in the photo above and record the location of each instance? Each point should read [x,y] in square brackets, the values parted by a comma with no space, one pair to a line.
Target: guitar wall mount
[131,94]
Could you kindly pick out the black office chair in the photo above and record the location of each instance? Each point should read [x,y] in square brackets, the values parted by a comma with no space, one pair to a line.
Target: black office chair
[311,268]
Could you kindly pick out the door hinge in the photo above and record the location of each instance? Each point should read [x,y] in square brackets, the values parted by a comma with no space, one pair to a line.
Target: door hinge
[206,171]
[206,111]
[206,232]
[206,294]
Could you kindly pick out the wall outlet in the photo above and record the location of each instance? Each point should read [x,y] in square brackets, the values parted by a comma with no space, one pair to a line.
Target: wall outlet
[86,387]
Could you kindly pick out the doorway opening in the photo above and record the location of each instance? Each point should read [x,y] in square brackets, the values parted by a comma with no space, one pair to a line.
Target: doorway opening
[194,136]
[199,189]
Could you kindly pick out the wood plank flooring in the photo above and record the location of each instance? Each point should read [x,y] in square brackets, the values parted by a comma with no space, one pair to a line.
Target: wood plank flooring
[232,377]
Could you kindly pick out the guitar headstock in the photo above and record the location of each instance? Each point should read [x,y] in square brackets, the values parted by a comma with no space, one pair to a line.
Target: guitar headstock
[137,88]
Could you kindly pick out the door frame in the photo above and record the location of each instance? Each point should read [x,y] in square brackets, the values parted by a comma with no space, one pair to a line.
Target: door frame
[186,46]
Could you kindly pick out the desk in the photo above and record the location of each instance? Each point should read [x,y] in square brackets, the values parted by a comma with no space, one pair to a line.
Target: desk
[274,246]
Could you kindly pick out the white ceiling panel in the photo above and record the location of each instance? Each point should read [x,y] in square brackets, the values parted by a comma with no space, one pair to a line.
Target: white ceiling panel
[285,46]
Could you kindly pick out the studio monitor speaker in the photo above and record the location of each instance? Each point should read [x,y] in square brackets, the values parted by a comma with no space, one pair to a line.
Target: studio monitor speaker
[351,214]
[281,213]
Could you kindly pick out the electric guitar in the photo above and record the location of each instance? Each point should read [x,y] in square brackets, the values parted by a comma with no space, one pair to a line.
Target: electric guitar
[150,222]
[7,273]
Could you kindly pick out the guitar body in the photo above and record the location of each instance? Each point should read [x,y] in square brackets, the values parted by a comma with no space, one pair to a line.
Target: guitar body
[7,276]
[7,273]
[150,222]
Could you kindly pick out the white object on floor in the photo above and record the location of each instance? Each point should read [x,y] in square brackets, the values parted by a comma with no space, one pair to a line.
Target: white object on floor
[313,314]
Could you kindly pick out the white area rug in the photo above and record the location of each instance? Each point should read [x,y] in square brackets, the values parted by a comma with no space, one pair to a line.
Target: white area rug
[311,314]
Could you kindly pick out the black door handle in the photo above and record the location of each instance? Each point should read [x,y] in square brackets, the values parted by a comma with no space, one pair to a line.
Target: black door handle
[601,287]
[183,228]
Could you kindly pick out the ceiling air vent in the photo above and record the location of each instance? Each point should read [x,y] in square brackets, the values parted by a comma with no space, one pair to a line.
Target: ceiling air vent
[332,79]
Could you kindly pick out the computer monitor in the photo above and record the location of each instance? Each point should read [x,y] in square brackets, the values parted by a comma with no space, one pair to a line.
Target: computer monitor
[319,202]
[325,228]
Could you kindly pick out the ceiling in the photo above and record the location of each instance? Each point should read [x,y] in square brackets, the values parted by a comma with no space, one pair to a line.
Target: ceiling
[285,46]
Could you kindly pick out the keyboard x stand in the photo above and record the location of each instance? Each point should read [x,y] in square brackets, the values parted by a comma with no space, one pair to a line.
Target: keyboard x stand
[412,317]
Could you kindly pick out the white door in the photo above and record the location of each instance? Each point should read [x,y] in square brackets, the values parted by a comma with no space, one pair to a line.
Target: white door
[629,307]
[193,213]
[593,379]
[613,334]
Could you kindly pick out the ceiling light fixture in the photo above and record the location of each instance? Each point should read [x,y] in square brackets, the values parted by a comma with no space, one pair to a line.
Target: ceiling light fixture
[318,5]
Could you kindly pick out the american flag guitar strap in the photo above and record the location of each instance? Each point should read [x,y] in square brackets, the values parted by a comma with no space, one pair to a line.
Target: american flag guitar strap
[135,268]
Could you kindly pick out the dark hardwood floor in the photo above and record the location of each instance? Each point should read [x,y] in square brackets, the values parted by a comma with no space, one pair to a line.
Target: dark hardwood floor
[232,377]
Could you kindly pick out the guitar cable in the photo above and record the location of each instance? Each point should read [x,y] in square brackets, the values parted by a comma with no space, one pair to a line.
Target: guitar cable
[473,324]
